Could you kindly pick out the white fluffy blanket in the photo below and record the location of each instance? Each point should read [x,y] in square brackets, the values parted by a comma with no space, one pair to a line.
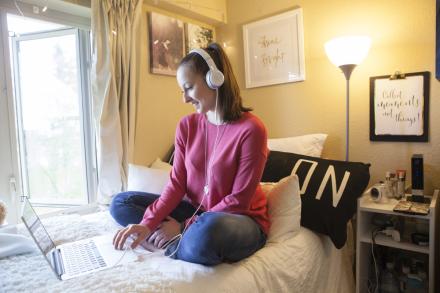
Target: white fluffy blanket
[304,263]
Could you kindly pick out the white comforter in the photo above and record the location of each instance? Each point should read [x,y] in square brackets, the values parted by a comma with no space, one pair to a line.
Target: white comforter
[304,263]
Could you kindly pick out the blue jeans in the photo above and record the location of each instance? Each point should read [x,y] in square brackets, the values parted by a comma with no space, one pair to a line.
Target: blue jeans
[214,237]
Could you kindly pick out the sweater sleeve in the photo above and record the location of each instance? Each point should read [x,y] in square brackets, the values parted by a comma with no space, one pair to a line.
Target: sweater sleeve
[175,189]
[252,159]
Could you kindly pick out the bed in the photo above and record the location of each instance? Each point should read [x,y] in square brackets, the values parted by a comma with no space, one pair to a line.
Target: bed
[294,259]
[305,262]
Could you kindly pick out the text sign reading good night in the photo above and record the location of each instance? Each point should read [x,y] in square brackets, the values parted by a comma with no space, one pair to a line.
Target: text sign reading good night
[399,106]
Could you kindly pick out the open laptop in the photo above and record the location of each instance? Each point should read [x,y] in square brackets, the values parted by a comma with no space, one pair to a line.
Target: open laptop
[77,258]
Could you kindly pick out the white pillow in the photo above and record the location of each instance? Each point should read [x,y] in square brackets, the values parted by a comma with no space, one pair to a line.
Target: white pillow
[308,145]
[159,164]
[284,208]
[141,178]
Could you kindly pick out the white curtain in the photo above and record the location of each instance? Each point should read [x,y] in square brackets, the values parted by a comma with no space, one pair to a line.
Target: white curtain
[115,59]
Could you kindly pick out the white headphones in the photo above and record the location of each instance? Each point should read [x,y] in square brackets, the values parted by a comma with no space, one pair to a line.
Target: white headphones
[214,77]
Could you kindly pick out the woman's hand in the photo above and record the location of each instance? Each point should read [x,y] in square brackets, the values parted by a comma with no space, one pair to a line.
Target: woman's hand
[140,233]
[165,232]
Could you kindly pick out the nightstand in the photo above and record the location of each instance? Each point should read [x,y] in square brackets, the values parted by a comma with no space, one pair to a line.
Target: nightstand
[367,209]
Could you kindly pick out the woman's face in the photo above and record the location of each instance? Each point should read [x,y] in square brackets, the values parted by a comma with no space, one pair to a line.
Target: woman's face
[195,90]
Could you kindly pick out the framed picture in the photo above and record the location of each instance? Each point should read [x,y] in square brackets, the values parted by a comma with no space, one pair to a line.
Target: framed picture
[274,50]
[167,43]
[399,107]
[197,36]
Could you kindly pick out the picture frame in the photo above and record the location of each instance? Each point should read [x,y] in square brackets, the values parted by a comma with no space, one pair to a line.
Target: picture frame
[399,107]
[274,50]
[197,36]
[166,42]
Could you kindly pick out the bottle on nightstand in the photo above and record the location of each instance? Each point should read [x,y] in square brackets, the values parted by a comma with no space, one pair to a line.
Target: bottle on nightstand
[390,184]
[389,281]
[401,174]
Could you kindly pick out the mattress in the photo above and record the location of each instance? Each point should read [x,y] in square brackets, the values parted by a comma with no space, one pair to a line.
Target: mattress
[305,262]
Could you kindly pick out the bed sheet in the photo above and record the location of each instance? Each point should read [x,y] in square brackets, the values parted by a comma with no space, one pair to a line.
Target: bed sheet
[306,262]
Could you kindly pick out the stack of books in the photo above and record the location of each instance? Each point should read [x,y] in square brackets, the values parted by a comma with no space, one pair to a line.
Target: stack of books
[412,207]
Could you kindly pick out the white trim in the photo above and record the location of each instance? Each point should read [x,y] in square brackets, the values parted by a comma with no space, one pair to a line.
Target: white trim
[7,90]
[88,130]
[18,120]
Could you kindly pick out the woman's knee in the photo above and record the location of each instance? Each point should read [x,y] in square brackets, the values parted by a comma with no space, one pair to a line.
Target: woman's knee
[118,201]
[218,237]
[118,204]
[205,240]
[221,226]
[212,227]
[129,207]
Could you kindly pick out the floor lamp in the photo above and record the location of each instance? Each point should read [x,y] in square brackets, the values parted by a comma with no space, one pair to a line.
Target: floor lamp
[346,53]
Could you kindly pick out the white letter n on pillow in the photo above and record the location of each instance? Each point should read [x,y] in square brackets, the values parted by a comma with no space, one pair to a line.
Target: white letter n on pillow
[330,173]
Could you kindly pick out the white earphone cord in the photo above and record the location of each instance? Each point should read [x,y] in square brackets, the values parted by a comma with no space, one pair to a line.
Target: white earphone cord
[207,174]
[208,169]
[135,251]
[207,178]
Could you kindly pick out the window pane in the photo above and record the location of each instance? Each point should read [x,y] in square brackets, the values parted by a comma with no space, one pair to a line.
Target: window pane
[49,88]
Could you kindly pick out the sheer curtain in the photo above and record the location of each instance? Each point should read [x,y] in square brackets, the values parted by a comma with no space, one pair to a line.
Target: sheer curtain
[114,74]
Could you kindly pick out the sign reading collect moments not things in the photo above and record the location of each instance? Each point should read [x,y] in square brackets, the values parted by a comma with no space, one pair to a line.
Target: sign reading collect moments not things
[399,107]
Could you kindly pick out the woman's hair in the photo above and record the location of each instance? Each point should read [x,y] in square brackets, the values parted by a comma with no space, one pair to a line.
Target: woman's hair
[230,101]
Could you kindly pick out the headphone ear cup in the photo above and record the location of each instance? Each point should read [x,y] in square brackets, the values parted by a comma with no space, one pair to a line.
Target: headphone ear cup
[215,79]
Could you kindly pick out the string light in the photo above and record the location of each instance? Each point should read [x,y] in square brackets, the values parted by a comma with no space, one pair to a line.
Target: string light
[35,8]
[18,7]
[45,6]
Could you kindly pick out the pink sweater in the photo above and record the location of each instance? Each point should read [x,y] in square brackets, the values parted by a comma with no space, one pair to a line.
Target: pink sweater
[237,168]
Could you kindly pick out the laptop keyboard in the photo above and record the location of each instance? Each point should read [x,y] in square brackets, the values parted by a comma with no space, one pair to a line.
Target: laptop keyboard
[82,257]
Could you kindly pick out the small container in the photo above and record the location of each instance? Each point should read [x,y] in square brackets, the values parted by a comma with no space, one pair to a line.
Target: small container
[401,174]
[389,283]
[389,184]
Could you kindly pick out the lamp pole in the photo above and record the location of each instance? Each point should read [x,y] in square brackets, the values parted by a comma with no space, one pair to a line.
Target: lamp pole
[347,52]
[347,69]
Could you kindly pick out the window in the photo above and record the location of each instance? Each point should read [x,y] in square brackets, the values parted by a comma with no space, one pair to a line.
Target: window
[53,111]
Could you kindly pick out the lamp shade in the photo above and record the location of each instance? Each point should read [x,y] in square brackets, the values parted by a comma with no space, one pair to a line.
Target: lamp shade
[348,49]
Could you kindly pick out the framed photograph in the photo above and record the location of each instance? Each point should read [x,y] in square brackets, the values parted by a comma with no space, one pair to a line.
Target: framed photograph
[167,43]
[274,50]
[399,107]
[197,36]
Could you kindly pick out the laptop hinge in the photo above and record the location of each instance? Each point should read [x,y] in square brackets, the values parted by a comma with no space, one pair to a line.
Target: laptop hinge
[56,256]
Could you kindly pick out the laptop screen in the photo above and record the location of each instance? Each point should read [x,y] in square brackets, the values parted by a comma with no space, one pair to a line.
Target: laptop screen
[36,229]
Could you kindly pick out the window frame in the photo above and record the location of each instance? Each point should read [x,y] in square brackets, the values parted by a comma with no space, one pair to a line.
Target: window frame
[88,141]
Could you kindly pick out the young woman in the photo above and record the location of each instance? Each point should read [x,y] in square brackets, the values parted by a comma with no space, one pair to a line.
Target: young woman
[212,210]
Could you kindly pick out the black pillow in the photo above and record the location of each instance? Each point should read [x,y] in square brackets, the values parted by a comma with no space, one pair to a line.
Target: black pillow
[325,208]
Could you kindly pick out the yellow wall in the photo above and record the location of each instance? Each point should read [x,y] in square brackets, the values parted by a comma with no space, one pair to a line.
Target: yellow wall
[403,35]
[160,105]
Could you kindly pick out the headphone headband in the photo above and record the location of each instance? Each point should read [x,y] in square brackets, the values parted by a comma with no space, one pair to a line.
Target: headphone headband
[214,77]
[206,57]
